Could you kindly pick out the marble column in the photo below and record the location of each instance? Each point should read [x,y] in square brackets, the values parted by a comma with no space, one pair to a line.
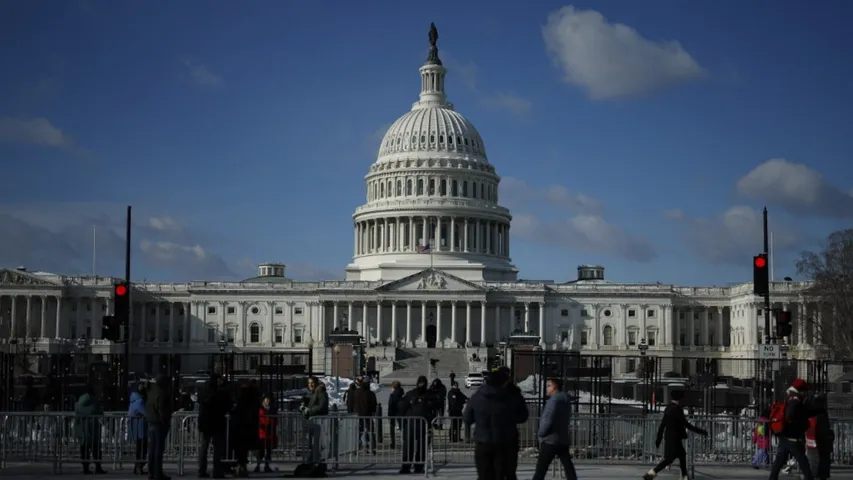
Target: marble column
[394,323]
[43,326]
[349,317]
[541,323]
[423,320]
[526,317]
[467,323]
[408,323]
[482,324]
[453,323]
[379,322]
[58,329]
[438,338]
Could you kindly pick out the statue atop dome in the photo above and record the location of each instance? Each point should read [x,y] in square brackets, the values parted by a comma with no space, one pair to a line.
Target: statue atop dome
[432,56]
[433,35]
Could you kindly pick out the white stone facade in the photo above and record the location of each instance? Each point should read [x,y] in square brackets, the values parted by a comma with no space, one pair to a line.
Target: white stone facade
[432,184]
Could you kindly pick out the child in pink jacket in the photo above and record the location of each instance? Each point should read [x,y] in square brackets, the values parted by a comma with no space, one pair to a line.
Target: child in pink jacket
[761,440]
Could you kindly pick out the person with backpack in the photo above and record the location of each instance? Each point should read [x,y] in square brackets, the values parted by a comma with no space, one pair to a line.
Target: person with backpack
[789,421]
[819,438]
[672,432]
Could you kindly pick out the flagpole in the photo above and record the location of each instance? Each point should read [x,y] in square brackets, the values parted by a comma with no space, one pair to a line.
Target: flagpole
[94,249]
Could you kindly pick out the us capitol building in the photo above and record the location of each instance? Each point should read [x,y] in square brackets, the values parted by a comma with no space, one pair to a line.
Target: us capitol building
[431,185]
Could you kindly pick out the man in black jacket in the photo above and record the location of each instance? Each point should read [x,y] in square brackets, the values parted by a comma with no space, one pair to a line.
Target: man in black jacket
[672,431]
[365,405]
[213,406]
[158,414]
[394,410]
[513,389]
[496,411]
[792,438]
[455,405]
[419,403]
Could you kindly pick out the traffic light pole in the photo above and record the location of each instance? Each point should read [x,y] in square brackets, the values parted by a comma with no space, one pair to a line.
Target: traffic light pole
[768,336]
[127,328]
[766,297]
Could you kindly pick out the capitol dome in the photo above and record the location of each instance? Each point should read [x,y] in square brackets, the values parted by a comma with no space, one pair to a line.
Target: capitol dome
[432,196]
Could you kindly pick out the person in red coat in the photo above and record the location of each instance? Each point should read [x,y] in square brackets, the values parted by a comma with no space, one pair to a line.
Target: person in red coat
[267,432]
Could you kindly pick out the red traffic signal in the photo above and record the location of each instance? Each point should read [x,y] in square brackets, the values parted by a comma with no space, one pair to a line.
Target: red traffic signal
[760,275]
[121,290]
[760,261]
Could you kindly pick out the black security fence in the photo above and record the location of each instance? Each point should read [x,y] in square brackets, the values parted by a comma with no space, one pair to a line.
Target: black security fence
[38,381]
[640,384]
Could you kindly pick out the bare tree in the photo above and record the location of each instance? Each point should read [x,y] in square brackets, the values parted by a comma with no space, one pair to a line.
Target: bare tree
[831,271]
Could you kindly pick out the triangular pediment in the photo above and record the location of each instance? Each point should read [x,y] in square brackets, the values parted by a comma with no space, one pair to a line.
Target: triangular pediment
[16,278]
[431,280]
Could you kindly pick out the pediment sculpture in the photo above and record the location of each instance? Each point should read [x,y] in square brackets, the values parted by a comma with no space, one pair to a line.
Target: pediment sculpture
[9,277]
[432,281]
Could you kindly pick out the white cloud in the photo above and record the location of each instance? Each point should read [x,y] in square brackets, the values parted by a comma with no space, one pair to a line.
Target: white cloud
[674,214]
[203,76]
[60,238]
[517,193]
[589,233]
[612,60]
[164,224]
[36,131]
[735,235]
[467,73]
[797,188]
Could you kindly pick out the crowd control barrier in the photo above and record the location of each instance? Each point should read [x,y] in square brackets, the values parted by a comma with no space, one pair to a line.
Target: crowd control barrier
[344,442]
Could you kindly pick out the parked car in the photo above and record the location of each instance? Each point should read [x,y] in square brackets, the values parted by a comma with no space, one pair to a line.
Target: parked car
[474,380]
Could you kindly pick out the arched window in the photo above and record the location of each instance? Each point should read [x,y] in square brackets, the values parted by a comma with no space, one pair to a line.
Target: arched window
[399,188]
[255,333]
[608,335]
[482,190]
[381,190]
[442,187]
[409,186]
[454,190]
[420,186]
[390,188]
[465,188]
[473,189]
[432,186]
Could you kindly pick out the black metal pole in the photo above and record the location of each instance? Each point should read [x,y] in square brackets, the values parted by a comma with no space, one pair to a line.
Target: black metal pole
[767,331]
[128,328]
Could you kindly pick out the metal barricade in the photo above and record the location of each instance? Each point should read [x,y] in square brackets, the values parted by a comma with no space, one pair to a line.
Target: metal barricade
[350,441]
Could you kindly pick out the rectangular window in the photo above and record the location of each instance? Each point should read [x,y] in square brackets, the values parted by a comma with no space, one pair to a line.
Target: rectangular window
[279,335]
[231,334]
[632,365]
[651,338]
[255,334]
[231,310]
[180,335]
[564,313]
[279,310]
[632,313]
[650,313]
[211,310]
[211,334]
[584,335]
[632,338]
[584,313]
[297,335]
[297,310]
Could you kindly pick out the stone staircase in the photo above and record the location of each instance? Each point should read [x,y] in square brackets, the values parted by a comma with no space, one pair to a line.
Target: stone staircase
[413,362]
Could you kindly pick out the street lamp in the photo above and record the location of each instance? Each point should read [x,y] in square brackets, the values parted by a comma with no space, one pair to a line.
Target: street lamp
[223,344]
[81,345]
[643,347]
[310,355]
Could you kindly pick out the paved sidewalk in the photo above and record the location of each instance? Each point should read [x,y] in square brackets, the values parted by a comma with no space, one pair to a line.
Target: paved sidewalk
[72,472]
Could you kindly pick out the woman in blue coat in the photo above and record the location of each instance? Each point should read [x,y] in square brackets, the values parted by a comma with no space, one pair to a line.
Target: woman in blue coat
[137,430]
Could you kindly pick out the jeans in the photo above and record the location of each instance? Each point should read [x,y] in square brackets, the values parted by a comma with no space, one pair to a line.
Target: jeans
[761,457]
[795,449]
[157,434]
[218,441]
[367,438]
[547,453]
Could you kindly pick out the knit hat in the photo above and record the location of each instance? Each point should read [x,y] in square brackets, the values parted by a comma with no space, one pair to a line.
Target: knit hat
[798,386]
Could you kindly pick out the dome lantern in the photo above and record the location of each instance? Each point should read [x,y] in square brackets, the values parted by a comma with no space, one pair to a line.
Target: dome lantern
[432,77]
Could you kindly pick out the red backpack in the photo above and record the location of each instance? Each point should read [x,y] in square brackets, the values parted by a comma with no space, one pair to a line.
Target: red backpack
[777,416]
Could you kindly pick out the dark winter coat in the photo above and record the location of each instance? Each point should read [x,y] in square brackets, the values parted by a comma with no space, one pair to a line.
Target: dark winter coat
[394,402]
[158,405]
[244,418]
[349,397]
[213,405]
[820,457]
[87,421]
[318,402]
[496,412]
[456,402]
[796,418]
[554,421]
[418,402]
[673,430]
[364,401]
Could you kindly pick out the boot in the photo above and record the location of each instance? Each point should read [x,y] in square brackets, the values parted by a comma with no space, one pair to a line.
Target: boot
[99,470]
[86,470]
[257,468]
[267,468]
[650,475]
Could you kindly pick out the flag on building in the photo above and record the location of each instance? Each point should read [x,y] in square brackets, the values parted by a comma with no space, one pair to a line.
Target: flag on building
[424,248]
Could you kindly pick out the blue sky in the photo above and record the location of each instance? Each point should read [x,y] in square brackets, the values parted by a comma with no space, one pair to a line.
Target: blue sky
[643,136]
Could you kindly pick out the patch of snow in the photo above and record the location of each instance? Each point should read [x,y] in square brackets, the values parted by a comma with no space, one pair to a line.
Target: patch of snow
[336,387]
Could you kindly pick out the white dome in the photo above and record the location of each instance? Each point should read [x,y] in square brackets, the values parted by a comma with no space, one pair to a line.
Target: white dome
[433,129]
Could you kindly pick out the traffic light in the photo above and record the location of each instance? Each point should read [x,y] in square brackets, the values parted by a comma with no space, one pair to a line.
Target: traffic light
[109,328]
[784,328]
[122,303]
[760,275]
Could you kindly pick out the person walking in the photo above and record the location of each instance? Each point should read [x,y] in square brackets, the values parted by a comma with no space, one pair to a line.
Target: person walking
[496,413]
[761,439]
[515,392]
[672,432]
[456,401]
[365,405]
[244,427]
[213,408]
[819,438]
[553,433]
[418,402]
[87,425]
[789,421]
[394,410]
[137,429]
[158,412]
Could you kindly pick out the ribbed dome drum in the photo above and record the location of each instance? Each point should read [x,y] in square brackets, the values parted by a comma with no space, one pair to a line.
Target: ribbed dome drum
[435,129]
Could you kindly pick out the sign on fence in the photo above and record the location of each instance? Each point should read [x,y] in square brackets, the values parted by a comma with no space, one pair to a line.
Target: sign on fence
[769,352]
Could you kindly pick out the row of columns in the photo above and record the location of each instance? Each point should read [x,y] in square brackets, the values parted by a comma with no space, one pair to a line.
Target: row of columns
[450,234]
[431,187]
[433,310]
[42,307]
